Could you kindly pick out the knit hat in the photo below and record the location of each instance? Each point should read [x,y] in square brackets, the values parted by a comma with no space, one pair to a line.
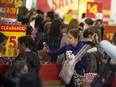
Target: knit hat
[88,21]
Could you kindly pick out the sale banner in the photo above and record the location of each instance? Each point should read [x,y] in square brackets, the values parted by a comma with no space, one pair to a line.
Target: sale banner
[93,8]
[109,32]
[12,32]
[11,11]
[61,6]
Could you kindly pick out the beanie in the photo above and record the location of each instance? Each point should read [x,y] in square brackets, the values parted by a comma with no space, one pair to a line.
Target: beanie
[88,21]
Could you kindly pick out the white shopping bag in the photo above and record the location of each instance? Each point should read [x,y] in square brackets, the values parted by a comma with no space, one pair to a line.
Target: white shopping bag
[69,65]
[67,70]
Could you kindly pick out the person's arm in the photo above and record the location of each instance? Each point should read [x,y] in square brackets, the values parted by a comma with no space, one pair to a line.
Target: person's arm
[58,52]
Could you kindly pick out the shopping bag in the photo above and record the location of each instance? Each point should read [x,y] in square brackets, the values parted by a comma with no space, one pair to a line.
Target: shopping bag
[67,70]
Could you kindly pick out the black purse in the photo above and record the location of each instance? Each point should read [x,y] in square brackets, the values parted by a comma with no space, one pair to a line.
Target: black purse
[105,77]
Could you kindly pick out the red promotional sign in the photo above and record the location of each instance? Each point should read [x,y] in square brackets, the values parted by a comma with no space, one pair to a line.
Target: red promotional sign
[47,5]
[4,2]
[12,28]
[12,31]
[11,11]
[109,32]
[93,8]
[106,7]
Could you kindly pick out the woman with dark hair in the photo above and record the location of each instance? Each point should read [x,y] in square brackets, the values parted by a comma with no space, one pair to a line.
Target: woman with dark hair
[25,44]
[40,31]
[3,80]
[38,20]
[52,38]
[75,45]
[90,35]
[73,24]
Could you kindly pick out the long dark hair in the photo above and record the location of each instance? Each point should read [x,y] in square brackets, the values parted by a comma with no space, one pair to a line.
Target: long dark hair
[55,27]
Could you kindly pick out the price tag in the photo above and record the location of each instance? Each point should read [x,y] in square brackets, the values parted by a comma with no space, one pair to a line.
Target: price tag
[11,11]
[109,36]
[93,8]
[109,32]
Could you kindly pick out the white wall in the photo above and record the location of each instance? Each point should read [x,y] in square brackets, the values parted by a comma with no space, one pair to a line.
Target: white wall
[113,12]
[29,4]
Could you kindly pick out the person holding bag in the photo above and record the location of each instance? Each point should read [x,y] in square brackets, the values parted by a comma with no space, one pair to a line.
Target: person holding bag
[74,47]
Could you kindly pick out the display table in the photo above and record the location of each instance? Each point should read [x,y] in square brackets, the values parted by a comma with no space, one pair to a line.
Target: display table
[49,74]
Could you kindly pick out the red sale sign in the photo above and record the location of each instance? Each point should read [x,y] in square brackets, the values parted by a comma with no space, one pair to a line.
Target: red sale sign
[12,32]
[11,11]
[109,32]
[4,2]
[93,8]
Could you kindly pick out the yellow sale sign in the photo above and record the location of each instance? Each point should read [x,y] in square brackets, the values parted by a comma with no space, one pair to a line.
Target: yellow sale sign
[70,15]
[12,32]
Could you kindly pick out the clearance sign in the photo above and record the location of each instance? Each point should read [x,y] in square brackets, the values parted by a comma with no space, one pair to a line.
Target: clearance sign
[12,32]
[109,32]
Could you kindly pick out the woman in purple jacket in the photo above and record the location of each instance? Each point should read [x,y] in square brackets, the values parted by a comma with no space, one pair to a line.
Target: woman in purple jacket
[75,46]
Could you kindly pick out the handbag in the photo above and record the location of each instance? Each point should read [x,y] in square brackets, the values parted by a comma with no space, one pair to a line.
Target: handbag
[68,66]
[105,77]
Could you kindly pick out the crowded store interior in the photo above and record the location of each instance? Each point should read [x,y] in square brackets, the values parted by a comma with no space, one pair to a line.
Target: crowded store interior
[57,43]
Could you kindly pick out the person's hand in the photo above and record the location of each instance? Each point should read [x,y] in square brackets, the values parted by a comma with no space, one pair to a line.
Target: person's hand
[44,49]
[95,38]
[69,55]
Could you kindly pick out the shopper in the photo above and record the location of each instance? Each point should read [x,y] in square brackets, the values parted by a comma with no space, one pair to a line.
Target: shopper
[75,46]
[3,80]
